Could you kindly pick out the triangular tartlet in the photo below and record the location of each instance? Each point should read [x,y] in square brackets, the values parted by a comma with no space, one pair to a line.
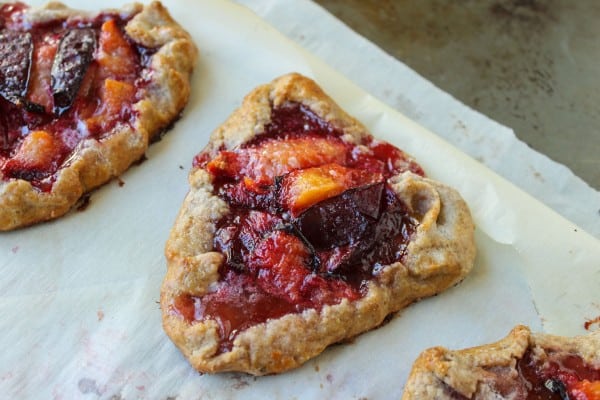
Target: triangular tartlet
[301,230]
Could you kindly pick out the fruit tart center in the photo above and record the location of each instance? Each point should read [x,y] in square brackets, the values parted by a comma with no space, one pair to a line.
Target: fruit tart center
[561,377]
[312,220]
[62,82]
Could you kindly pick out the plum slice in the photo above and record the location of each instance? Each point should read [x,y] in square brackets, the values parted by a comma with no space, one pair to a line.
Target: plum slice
[354,231]
[74,55]
[342,219]
[16,50]
[300,189]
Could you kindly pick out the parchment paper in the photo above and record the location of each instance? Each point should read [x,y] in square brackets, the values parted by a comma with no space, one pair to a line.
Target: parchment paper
[78,296]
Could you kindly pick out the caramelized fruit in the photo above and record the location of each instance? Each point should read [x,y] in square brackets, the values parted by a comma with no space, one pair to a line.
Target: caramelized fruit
[311,217]
[343,219]
[300,189]
[274,158]
[559,378]
[117,57]
[116,98]
[72,79]
[38,153]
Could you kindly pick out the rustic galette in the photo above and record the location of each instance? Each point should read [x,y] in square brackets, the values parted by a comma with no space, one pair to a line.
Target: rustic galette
[81,97]
[300,230]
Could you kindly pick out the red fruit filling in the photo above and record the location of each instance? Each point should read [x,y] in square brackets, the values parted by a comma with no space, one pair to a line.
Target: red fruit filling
[62,82]
[560,377]
[312,220]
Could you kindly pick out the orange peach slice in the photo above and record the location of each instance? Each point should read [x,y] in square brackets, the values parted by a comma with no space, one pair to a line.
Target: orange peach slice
[591,390]
[273,158]
[38,150]
[114,96]
[302,188]
[116,55]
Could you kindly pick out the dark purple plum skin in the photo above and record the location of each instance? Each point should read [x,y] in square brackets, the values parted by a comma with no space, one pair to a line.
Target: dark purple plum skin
[352,230]
[16,50]
[73,57]
[342,219]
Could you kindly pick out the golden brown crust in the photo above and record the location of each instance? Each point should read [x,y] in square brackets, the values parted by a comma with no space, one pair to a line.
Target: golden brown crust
[439,256]
[94,162]
[472,372]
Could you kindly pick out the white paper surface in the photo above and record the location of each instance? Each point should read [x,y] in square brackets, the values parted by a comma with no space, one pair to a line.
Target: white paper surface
[78,296]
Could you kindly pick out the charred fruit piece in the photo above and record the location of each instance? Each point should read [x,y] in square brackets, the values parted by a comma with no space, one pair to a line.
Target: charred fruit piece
[16,49]
[75,52]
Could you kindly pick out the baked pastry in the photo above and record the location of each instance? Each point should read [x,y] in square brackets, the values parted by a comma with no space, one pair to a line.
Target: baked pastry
[523,365]
[81,97]
[301,230]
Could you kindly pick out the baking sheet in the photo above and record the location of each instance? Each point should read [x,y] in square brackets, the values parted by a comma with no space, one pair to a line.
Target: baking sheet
[79,295]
